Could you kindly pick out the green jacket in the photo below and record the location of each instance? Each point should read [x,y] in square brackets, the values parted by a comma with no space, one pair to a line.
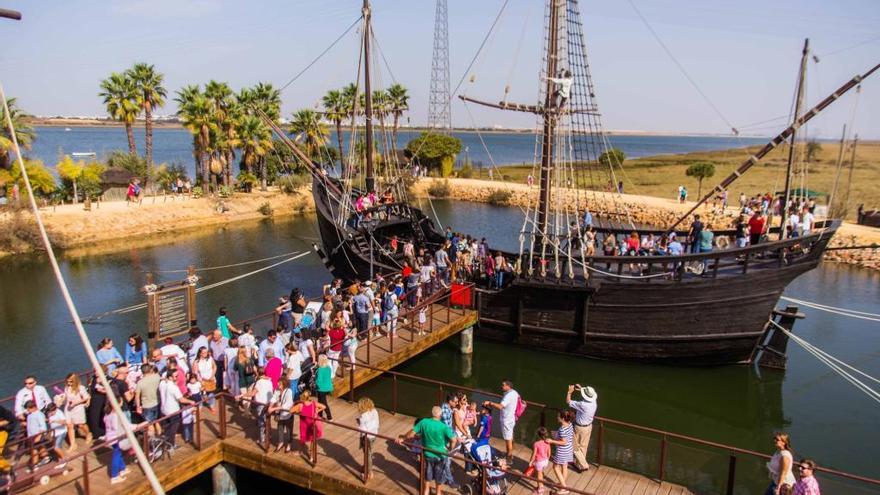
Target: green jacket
[324,379]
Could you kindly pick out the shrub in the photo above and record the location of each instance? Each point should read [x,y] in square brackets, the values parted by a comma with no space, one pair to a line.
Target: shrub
[291,184]
[135,164]
[266,209]
[246,181]
[435,151]
[439,189]
[499,197]
[466,171]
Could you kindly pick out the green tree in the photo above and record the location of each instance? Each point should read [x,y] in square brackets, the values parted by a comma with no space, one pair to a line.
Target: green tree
[255,142]
[23,131]
[435,151]
[196,113]
[612,158]
[265,98]
[398,102]
[307,129]
[72,171]
[41,178]
[813,149]
[225,113]
[150,95]
[80,177]
[336,110]
[135,164]
[700,170]
[120,98]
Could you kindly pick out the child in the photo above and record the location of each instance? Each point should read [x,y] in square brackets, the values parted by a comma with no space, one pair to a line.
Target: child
[471,417]
[423,317]
[187,420]
[540,458]
[36,427]
[58,424]
[194,387]
[485,428]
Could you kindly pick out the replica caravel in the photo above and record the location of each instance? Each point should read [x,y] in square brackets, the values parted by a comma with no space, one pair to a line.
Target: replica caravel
[701,309]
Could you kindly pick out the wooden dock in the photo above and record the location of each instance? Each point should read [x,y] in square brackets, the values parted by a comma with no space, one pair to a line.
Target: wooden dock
[339,465]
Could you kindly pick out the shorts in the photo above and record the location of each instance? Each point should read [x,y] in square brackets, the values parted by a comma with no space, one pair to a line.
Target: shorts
[151,414]
[437,470]
[507,430]
[59,439]
[541,465]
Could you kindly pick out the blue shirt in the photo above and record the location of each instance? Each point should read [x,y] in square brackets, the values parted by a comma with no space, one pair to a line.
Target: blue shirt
[588,218]
[106,355]
[133,355]
[675,248]
[361,303]
[278,348]
[486,426]
[223,325]
[446,414]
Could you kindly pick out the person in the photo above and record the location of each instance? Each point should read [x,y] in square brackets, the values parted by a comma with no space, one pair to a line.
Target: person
[218,345]
[756,228]
[205,369]
[459,415]
[146,395]
[246,368]
[271,341]
[484,430]
[324,383]
[447,408]
[247,340]
[274,367]
[261,395]
[198,340]
[57,422]
[108,355]
[441,262]
[337,336]
[133,191]
[297,306]
[707,238]
[540,458]
[779,467]
[500,268]
[563,439]
[530,181]
[794,223]
[362,305]
[230,377]
[309,426]
[682,194]
[508,407]
[368,422]
[33,392]
[563,87]
[114,429]
[807,485]
[76,400]
[437,439]
[583,401]
[293,368]
[807,219]
[135,350]
[95,408]
[390,311]
[9,425]
[224,325]
[741,227]
[694,234]
[36,427]
[281,404]
[170,399]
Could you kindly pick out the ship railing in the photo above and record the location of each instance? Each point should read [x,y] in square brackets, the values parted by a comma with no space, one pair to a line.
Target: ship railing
[383,212]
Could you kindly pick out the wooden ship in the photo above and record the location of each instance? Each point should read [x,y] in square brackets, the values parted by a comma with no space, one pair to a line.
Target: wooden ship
[702,309]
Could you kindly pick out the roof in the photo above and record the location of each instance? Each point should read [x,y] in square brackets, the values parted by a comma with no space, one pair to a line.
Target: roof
[116,175]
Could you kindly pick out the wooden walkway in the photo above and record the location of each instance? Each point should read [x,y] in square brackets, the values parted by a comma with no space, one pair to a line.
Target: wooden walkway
[339,463]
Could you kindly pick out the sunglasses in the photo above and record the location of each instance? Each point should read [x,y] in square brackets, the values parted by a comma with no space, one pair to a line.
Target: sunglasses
[804,467]
[30,383]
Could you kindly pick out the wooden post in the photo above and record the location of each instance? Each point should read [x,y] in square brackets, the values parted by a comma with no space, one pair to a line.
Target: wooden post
[267,427]
[368,458]
[85,470]
[145,439]
[391,337]
[351,382]
[198,427]
[422,471]
[369,344]
[731,474]
[313,446]
[662,458]
[599,443]
[222,408]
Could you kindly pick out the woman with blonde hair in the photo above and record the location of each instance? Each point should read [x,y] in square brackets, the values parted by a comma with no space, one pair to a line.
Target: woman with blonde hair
[368,422]
[780,466]
[309,425]
[76,399]
[324,383]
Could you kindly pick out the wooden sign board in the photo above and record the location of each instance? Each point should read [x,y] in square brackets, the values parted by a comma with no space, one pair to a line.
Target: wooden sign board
[171,308]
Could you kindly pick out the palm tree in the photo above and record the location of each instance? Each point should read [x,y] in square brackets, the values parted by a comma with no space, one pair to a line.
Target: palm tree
[380,110]
[150,95]
[196,112]
[266,98]
[221,97]
[23,132]
[120,98]
[398,102]
[307,128]
[335,110]
[255,141]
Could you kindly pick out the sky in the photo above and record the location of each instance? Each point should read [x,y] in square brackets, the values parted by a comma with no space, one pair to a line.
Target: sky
[743,55]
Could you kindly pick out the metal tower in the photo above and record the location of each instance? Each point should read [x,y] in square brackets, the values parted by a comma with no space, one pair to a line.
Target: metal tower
[439,114]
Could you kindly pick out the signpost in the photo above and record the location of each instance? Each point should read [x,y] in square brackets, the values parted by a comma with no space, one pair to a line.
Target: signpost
[171,307]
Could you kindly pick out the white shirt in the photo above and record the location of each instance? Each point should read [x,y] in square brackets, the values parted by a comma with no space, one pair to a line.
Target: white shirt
[304,348]
[284,399]
[173,350]
[294,365]
[169,397]
[36,423]
[201,341]
[25,394]
[508,406]
[247,341]
[807,223]
[263,389]
[584,411]
[58,423]
[369,422]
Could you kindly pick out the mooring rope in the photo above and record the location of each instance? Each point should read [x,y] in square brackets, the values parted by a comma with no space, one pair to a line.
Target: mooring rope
[862,315]
[218,267]
[835,364]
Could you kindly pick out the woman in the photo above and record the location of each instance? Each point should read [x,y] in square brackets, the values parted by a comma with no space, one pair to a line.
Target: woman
[309,426]
[780,467]
[707,238]
[76,400]
[114,432]
[609,247]
[338,336]
[590,241]
[95,408]
[647,247]
[563,438]
[324,383]
[368,422]
[246,368]
[293,368]
[459,416]
[282,404]
[205,369]
[180,373]
[135,350]
[108,355]
[297,306]
[351,345]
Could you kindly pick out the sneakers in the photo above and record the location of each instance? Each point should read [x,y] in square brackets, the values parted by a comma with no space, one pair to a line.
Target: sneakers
[118,479]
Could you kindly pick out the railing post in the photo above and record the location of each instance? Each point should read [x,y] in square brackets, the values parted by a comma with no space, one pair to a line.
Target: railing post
[391,336]
[662,458]
[198,427]
[145,439]
[394,393]
[85,469]
[368,458]
[731,474]
[422,471]
[267,427]
[351,382]
[313,446]
[369,343]
[431,317]
[599,444]
[222,406]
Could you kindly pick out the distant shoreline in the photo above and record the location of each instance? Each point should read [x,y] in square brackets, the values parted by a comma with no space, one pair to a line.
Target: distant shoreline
[103,123]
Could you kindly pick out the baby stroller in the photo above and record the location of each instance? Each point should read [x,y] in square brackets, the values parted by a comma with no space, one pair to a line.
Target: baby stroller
[495,478]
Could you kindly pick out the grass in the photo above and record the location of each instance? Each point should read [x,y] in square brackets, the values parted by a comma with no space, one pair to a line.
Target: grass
[661,175]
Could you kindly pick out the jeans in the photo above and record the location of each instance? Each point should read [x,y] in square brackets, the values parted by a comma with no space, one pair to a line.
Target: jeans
[362,320]
[294,388]
[171,426]
[322,398]
[285,431]
[187,432]
[260,412]
[499,278]
[151,413]
[117,463]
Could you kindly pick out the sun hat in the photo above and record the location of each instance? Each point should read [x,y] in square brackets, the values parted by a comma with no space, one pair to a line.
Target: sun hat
[589,394]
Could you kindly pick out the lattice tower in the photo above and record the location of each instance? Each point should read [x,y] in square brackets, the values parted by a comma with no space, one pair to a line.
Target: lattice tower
[439,113]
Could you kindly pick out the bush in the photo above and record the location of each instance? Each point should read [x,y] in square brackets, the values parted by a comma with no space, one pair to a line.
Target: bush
[266,209]
[197,192]
[466,171]
[246,181]
[439,189]
[135,164]
[435,151]
[499,197]
[291,184]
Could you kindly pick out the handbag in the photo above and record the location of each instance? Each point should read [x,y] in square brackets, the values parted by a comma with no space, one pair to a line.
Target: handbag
[209,385]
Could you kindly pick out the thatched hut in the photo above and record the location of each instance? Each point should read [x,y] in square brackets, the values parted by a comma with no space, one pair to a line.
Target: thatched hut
[114,184]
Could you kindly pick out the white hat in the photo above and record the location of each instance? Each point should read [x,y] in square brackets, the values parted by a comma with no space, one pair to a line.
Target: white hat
[589,394]
[368,283]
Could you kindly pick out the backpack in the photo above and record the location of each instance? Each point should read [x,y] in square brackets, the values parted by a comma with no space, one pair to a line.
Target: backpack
[520,408]
[388,302]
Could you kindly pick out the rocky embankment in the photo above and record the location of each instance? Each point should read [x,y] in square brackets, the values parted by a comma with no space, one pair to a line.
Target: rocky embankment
[645,210]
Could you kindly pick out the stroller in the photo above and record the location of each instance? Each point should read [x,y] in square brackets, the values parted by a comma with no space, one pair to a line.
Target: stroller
[495,477]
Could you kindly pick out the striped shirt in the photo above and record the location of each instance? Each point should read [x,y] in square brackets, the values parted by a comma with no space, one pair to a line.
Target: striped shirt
[564,453]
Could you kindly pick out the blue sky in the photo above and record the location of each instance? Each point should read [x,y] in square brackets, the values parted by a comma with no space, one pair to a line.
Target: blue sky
[743,54]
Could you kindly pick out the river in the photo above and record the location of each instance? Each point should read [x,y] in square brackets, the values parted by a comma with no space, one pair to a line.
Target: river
[827,418]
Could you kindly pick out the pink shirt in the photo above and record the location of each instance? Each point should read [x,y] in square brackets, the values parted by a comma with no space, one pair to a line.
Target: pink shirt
[542,450]
[806,486]
[273,371]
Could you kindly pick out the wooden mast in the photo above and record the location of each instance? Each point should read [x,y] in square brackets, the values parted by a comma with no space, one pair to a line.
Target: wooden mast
[550,113]
[837,166]
[799,100]
[844,209]
[370,180]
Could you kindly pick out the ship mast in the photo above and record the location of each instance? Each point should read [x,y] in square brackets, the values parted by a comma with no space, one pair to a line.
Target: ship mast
[550,115]
[370,180]
[799,101]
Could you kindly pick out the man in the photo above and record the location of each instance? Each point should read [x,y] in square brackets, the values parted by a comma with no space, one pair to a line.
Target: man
[170,349]
[438,439]
[217,346]
[507,406]
[441,261]
[588,219]
[563,87]
[807,485]
[272,341]
[584,406]
[146,395]
[694,234]
[224,325]
[447,408]
[36,426]
[170,399]
[120,387]
[807,220]
[362,306]
[198,341]
[157,360]
[33,392]
[247,339]
[756,228]
[675,248]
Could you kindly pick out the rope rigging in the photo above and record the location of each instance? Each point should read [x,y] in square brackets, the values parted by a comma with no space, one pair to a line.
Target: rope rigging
[320,55]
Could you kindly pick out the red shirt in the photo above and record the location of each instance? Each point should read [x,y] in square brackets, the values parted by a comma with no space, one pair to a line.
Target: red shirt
[756,225]
[407,271]
[337,337]
[632,244]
